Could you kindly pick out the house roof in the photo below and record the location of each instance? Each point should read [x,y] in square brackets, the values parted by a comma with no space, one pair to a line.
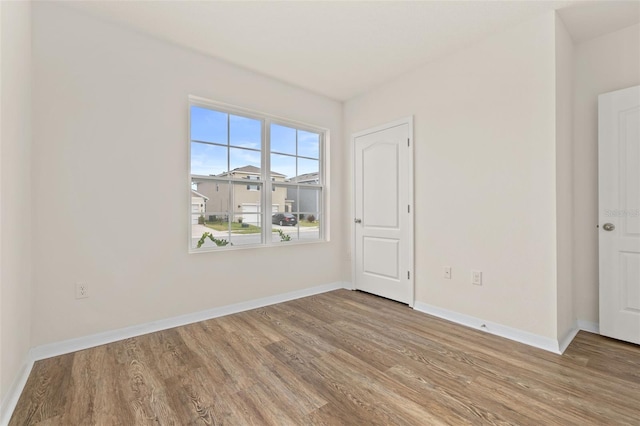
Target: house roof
[197,194]
[252,170]
[305,177]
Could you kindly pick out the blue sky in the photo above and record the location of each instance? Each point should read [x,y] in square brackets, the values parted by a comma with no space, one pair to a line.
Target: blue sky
[244,135]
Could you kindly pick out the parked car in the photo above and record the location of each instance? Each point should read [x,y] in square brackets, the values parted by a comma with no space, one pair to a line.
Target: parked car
[284,219]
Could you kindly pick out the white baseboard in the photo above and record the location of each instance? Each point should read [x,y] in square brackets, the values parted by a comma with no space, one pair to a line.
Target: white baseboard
[568,338]
[510,333]
[59,348]
[591,327]
[85,342]
[10,401]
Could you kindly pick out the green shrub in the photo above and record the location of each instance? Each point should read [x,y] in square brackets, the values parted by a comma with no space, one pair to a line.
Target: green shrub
[283,236]
[220,242]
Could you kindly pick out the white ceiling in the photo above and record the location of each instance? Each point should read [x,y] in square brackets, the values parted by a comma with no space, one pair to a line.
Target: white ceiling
[341,49]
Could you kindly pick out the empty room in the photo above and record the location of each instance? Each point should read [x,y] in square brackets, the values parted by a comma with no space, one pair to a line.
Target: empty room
[319,212]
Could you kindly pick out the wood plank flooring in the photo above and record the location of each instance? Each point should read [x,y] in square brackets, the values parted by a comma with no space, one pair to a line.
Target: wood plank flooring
[339,358]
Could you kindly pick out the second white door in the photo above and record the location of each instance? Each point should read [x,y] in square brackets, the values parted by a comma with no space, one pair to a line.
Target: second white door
[619,199]
[383,241]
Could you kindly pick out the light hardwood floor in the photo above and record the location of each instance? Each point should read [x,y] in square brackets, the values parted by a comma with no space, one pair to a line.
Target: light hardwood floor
[337,358]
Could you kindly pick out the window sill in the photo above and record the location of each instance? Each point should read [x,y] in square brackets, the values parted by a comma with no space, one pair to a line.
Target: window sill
[254,246]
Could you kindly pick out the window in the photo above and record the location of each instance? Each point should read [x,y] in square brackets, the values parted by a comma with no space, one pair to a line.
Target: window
[283,160]
[253,187]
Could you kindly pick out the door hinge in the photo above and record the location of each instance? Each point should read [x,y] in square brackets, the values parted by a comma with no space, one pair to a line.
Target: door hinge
[408,141]
[408,208]
[408,275]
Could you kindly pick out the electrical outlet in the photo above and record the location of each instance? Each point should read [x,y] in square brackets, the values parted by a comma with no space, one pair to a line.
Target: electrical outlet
[82,290]
[447,272]
[476,277]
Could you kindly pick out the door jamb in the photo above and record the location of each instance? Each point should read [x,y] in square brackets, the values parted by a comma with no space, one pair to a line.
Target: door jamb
[410,243]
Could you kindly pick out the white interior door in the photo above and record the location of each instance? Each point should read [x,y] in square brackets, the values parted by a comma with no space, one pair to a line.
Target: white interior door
[383,228]
[619,216]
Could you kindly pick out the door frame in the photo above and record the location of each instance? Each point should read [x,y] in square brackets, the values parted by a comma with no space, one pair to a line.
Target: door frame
[409,244]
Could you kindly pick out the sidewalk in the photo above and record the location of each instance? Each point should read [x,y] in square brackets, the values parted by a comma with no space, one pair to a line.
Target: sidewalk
[197,230]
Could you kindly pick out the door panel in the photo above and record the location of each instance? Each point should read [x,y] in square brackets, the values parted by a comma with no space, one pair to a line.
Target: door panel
[380,185]
[383,247]
[381,257]
[619,204]
[630,274]
[630,184]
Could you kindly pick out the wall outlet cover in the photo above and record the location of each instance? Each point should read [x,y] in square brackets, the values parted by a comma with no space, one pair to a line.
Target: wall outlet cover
[82,290]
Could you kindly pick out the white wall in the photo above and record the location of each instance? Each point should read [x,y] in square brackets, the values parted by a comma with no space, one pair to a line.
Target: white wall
[485,187]
[110,130]
[564,178]
[15,191]
[604,64]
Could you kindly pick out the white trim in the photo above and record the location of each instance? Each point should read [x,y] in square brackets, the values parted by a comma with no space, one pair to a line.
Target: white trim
[8,404]
[510,333]
[564,343]
[412,210]
[580,325]
[591,327]
[85,342]
[405,120]
[410,199]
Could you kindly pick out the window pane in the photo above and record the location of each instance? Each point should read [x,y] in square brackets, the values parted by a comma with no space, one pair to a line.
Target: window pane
[284,226]
[279,202]
[245,132]
[309,224]
[308,144]
[209,214]
[284,166]
[283,139]
[208,159]
[208,125]
[217,229]
[309,200]
[244,162]
[308,170]
[308,178]
[246,226]
[217,196]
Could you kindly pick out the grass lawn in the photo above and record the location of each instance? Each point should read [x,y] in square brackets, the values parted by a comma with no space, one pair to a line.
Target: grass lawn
[236,227]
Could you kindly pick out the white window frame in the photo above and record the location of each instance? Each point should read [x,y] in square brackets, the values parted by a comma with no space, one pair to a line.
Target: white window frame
[265,174]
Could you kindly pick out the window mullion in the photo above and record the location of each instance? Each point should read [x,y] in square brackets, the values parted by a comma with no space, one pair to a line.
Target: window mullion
[266,177]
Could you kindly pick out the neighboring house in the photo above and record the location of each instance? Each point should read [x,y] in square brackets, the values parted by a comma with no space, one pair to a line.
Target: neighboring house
[309,200]
[244,199]
[198,205]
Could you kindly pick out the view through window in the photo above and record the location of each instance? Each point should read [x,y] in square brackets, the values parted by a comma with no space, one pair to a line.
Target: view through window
[240,195]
